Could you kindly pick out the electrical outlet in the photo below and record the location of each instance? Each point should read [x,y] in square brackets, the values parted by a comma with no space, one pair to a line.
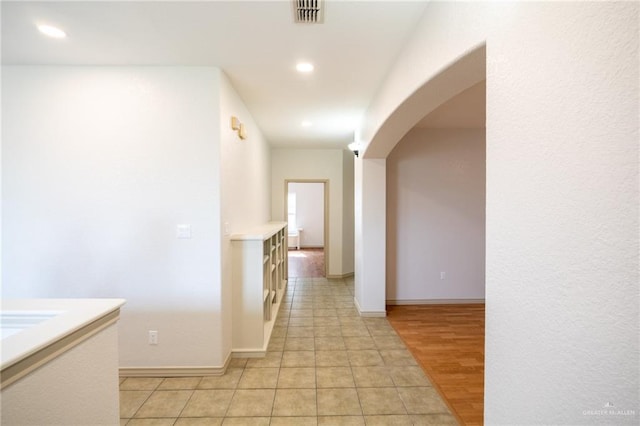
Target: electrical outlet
[443,275]
[153,337]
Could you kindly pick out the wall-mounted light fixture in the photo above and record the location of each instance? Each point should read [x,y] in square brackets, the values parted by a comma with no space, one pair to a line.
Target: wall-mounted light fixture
[355,147]
[238,127]
[235,123]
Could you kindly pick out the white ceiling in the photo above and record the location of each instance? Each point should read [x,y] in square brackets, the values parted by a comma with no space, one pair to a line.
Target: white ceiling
[467,110]
[255,43]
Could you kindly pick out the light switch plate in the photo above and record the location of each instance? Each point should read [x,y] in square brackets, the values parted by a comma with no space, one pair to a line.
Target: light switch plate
[183,232]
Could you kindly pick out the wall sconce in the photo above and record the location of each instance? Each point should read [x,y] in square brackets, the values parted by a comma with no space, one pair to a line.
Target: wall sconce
[235,123]
[238,127]
[355,147]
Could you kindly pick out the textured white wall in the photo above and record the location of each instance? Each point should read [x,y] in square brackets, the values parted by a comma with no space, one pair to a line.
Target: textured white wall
[99,165]
[310,212]
[436,216]
[562,198]
[562,215]
[313,164]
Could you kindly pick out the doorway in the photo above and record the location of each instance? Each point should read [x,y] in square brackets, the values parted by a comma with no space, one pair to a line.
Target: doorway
[436,216]
[306,207]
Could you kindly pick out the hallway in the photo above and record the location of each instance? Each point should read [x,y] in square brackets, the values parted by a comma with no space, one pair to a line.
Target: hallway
[325,365]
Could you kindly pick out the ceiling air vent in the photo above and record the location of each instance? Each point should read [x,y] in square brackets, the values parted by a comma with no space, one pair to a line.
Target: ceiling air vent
[308,11]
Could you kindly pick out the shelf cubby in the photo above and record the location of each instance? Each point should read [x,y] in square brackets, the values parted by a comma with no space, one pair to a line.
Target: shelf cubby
[254,311]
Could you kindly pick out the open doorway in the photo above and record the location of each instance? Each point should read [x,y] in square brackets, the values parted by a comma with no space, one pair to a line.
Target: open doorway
[306,205]
[436,216]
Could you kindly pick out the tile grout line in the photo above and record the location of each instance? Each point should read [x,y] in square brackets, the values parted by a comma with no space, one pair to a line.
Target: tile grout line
[143,402]
[193,391]
[310,292]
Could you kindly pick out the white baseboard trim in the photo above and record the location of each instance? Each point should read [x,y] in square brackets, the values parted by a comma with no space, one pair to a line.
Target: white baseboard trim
[373,314]
[368,314]
[170,371]
[250,353]
[435,301]
[339,277]
[174,371]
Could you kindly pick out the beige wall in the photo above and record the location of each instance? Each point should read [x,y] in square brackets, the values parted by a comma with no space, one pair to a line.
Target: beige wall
[436,216]
[348,213]
[301,164]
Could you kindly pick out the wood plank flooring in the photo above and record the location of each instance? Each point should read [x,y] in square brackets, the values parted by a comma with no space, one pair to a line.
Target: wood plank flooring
[448,342]
[306,263]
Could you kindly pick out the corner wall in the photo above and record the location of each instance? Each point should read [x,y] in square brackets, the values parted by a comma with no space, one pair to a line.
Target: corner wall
[370,238]
[99,165]
[562,197]
[348,213]
[245,168]
[436,216]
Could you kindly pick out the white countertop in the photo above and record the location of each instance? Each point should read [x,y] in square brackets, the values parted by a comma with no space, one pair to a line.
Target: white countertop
[60,318]
[261,232]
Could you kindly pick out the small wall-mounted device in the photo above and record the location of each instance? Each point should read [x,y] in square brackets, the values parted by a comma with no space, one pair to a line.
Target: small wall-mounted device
[355,147]
[238,127]
[242,131]
[235,123]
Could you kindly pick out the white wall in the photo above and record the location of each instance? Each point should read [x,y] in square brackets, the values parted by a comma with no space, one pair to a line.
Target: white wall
[303,164]
[348,213]
[99,165]
[436,216]
[245,187]
[562,198]
[370,211]
[309,212]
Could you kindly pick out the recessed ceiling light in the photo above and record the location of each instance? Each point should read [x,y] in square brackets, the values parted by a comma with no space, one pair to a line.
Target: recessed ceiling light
[50,31]
[306,123]
[304,67]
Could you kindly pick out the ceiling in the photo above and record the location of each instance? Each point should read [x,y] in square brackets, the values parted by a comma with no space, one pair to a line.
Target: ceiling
[255,43]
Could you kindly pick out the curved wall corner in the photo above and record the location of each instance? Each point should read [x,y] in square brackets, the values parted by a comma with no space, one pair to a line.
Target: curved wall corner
[464,72]
[562,195]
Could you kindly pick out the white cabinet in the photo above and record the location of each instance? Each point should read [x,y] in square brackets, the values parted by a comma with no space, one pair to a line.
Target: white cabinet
[259,282]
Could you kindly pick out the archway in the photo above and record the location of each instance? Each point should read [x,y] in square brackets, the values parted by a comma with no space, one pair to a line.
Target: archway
[370,173]
[458,76]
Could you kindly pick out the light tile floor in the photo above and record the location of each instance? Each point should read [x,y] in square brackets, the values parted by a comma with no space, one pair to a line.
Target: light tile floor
[325,365]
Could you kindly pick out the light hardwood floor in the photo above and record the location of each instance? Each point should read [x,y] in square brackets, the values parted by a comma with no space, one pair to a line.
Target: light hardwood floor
[306,263]
[448,343]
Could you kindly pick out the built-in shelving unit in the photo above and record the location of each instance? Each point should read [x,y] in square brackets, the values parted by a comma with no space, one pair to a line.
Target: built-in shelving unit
[259,263]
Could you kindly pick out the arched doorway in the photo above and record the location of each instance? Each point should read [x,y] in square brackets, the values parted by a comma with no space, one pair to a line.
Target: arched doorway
[370,173]
[379,229]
